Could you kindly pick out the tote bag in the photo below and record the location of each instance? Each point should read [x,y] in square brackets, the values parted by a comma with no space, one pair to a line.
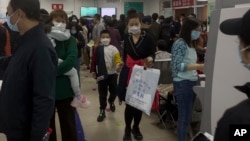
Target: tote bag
[141,88]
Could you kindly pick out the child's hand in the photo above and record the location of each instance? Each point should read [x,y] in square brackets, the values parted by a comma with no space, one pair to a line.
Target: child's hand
[94,75]
[118,67]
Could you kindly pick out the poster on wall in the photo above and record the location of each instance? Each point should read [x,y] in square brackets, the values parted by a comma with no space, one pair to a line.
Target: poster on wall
[182,3]
[138,6]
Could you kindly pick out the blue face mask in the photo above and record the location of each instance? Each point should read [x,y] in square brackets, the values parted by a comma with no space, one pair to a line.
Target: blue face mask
[195,35]
[11,26]
[73,31]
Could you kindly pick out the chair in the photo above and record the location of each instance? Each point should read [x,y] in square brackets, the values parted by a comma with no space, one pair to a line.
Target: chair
[165,112]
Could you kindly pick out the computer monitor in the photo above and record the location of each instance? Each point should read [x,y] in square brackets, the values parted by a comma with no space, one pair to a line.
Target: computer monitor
[108,11]
[88,11]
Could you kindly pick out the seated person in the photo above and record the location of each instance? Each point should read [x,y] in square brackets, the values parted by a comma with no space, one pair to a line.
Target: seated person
[161,52]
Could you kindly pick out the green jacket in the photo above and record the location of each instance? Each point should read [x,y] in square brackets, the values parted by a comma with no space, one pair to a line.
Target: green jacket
[67,51]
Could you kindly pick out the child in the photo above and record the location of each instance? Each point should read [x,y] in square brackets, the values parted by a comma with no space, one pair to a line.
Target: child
[61,35]
[162,51]
[106,61]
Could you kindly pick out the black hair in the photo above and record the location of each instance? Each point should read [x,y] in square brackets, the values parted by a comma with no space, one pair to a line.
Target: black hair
[167,20]
[44,16]
[183,15]
[31,8]
[162,45]
[83,21]
[188,25]
[161,17]
[44,11]
[97,16]
[110,23]
[133,14]
[105,32]
[192,14]
[122,17]
[74,16]
[114,16]
[76,25]
[155,16]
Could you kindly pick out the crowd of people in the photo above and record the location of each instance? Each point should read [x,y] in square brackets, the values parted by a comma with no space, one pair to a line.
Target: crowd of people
[42,52]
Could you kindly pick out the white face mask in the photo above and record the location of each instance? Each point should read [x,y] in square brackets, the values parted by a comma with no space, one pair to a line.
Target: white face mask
[59,26]
[134,29]
[105,41]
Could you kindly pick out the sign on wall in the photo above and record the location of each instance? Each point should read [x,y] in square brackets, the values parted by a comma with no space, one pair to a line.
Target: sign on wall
[57,6]
[182,3]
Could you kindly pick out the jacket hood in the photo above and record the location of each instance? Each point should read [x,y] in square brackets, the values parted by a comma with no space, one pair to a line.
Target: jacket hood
[244,88]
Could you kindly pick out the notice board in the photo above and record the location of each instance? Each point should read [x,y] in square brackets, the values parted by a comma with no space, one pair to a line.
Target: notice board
[136,5]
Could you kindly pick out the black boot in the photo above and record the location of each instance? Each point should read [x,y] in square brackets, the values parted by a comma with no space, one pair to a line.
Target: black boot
[101,116]
[137,134]
[127,135]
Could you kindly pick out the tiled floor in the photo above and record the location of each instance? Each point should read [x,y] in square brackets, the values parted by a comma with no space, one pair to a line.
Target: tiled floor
[112,128]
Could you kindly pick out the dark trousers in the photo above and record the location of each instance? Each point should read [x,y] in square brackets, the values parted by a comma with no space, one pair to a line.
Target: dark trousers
[103,86]
[131,114]
[66,114]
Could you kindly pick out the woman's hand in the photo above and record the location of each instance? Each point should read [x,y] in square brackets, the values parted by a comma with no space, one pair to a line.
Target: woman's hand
[200,67]
[148,62]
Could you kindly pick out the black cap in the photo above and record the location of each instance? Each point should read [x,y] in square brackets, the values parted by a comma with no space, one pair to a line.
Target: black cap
[236,26]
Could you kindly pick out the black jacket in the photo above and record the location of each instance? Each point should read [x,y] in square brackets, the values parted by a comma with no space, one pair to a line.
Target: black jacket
[28,91]
[237,115]
[144,48]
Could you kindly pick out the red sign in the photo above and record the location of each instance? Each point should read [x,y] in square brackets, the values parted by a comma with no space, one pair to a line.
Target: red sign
[182,3]
[57,6]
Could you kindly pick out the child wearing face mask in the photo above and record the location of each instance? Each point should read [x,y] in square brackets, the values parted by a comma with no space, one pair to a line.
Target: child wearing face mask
[106,61]
[60,33]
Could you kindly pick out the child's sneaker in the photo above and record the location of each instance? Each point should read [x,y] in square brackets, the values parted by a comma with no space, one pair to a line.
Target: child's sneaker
[80,101]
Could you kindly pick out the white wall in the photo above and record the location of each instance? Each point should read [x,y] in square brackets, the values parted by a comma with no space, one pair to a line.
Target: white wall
[150,6]
[3,6]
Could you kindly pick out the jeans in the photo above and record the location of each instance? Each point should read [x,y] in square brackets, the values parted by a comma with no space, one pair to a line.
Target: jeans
[185,97]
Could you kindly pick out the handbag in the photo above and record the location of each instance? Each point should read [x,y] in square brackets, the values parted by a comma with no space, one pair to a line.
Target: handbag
[141,88]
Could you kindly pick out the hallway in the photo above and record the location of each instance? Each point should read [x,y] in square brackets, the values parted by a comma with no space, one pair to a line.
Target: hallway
[112,128]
